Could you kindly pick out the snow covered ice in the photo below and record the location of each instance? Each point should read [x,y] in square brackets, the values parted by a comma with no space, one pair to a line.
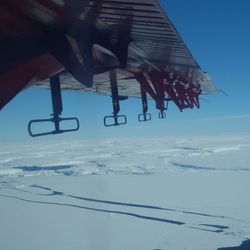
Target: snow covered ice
[169,193]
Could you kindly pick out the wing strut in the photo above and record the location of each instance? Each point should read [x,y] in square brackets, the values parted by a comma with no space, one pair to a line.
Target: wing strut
[156,91]
[144,116]
[115,119]
[158,85]
[57,110]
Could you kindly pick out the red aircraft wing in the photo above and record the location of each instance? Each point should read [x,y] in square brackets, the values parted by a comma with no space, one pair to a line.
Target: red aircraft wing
[84,41]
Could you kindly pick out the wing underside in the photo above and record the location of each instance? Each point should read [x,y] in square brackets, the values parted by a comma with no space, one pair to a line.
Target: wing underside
[149,45]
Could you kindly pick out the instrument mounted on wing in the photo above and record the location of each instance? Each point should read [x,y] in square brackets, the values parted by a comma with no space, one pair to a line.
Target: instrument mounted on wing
[57,110]
[102,46]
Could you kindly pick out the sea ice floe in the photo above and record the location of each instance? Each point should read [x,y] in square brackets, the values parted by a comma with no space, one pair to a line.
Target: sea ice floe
[127,156]
[10,172]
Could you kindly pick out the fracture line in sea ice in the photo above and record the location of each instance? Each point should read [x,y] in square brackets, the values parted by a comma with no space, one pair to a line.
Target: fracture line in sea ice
[98,210]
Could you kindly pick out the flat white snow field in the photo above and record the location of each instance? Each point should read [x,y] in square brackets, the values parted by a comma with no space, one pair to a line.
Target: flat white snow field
[125,194]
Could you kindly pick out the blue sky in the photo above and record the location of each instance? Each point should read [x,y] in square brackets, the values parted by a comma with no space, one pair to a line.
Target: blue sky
[217,34]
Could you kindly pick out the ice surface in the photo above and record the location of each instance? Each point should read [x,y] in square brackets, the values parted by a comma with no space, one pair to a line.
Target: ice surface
[168,193]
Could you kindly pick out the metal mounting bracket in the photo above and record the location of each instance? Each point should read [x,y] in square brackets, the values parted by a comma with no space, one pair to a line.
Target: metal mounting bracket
[144,116]
[162,114]
[115,119]
[57,110]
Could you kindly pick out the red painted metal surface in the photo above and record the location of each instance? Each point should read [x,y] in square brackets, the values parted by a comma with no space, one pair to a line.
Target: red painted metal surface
[26,74]
[135,35]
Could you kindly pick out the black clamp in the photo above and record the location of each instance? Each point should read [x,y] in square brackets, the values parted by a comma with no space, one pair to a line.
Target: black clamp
[115,119]
[144,116]
[56,122]
[162,114]
[57,110]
